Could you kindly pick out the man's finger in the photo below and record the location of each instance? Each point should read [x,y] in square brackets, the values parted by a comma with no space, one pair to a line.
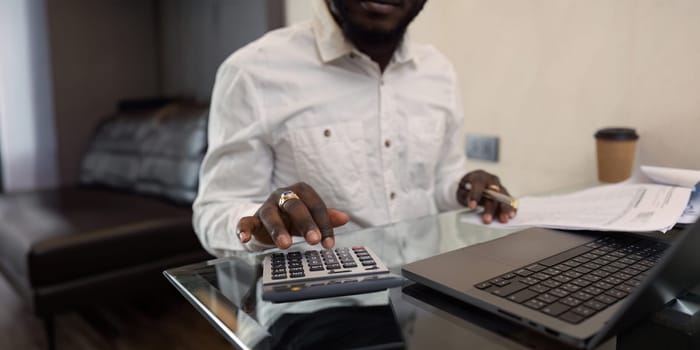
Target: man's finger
[506,212]
[250,227]
[475,194]
[503,213]
[301,220]
[337,217]
[271,219]
[245,228]
[319,213]
[463,194]
[489,210]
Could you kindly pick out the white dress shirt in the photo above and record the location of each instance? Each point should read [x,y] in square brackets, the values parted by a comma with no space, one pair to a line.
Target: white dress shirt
[303,104]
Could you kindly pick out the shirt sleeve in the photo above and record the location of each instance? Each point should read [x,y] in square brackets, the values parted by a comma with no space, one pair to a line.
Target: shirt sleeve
[235,176]
[452,165]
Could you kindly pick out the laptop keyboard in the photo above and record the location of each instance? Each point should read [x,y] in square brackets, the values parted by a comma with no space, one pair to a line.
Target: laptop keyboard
[580,282]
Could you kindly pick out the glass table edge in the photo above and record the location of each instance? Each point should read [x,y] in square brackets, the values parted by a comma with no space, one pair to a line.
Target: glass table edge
[200,306]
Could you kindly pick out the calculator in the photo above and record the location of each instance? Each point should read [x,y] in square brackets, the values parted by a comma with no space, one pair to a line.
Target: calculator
[309,274]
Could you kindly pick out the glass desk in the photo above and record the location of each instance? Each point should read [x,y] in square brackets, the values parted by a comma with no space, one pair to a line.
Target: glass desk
[227,292]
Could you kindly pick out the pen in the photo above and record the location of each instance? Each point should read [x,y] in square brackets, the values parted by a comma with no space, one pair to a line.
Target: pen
[497,196]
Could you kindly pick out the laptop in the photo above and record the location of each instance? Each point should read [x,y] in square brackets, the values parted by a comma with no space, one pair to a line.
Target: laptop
[578,287]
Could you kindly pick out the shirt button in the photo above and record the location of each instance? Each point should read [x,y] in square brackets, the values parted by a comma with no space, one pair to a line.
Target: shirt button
[327,133]
[392,195]
[387,143]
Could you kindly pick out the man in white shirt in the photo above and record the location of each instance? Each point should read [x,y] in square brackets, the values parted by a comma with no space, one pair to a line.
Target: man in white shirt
[340,112]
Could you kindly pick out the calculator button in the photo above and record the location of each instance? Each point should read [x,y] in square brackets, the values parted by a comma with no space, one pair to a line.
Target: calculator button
[322,263]
[296,274]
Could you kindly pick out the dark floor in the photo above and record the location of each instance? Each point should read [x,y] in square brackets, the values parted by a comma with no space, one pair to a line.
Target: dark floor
[165,321]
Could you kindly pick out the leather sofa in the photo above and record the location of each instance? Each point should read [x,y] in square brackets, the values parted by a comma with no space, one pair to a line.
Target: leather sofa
[112,235]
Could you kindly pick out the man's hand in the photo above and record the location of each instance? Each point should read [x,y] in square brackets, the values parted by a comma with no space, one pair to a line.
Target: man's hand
[479,181]
[305,216]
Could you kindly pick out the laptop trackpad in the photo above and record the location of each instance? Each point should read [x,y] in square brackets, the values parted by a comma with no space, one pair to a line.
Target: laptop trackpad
[462,268]
[528,246]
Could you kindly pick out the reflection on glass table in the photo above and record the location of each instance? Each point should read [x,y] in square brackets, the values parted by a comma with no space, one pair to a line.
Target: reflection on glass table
[228,293]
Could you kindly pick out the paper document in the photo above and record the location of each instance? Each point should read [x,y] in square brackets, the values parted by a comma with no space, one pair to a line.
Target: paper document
[672,176]
[692,210]
[679,177]
[619,207]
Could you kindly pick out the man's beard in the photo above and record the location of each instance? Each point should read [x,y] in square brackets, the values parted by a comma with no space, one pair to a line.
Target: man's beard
[357,33]
[373,36]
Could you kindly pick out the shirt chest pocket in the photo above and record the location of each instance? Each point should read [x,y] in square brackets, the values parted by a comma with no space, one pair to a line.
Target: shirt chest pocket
[424,139]
[332,159]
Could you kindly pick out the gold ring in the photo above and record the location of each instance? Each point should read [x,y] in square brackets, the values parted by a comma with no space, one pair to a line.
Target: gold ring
[494,187]
[285,196]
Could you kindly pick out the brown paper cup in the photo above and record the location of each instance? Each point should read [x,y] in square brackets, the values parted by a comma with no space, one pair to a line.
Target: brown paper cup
[615,148]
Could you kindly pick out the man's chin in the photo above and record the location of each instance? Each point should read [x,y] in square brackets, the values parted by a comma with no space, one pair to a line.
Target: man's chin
[371,28]
[376,35]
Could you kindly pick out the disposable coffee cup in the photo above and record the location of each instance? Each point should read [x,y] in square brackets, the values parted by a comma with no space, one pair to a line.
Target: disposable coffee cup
[615,148]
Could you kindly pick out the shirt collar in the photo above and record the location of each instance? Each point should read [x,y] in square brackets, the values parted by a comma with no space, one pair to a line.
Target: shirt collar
[331,41]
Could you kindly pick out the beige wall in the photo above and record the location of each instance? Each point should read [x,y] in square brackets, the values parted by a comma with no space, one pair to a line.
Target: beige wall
[544,75]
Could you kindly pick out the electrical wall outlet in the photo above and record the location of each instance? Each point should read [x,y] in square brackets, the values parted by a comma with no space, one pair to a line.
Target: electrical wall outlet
[482,147]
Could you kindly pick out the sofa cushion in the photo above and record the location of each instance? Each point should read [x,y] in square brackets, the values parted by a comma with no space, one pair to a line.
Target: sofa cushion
[155,153]
[65,234]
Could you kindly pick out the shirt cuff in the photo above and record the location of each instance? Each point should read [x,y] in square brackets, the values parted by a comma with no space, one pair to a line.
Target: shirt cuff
[449,196]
